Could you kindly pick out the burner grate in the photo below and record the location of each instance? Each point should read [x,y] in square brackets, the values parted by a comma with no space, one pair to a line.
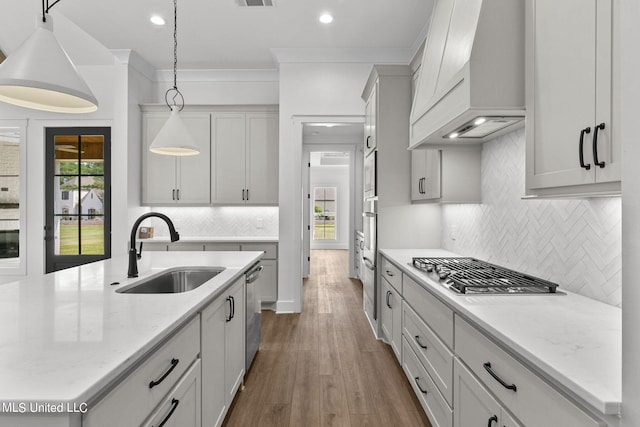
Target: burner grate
[472,276]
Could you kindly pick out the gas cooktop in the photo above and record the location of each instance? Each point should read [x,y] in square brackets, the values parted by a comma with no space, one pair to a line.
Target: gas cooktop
[472,276]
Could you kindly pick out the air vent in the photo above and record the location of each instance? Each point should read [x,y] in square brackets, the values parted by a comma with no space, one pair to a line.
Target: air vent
[255,2]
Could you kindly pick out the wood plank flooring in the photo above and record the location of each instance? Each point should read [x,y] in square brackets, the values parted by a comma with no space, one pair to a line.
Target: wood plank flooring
[323,367]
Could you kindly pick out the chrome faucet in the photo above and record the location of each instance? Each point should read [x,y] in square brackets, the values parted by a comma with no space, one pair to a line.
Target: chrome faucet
[134,255]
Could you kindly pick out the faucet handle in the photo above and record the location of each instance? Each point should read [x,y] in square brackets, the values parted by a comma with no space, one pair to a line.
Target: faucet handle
[139,254]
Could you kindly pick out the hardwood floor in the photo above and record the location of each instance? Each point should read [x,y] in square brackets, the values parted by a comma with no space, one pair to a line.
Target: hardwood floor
[323,367]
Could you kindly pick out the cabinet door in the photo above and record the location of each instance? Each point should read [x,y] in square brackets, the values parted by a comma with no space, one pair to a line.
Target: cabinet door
[370,142]
[214,402]
[262,158]
[567,58]
[158,171]
[228,157]
[234,341]
[391,317]
[268,282]
[472,404]
[194,177]
[418,173]
[386,312]
[425,175]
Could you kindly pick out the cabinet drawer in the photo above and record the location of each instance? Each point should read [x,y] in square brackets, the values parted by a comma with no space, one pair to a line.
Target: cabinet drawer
[270,249]
[154,246]
[531,395]
[392,274]
[181,407]
[434,313]
[196,247]
[133,396]
[434,405]
[222,247]
[431,351]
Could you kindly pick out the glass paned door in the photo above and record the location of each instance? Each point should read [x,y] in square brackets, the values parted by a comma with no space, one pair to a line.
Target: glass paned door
[78,196]
[324,213]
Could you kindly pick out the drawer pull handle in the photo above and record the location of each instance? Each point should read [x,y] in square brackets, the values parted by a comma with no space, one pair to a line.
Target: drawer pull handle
[487,367]
[595,145]
[389,273]
[174,405]
[388,296]
[580,148]
[174,363]
[417,337]
[417,381]
[492,420]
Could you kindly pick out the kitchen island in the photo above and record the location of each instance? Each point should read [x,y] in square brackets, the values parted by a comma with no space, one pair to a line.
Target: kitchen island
[66,338]
[572,345]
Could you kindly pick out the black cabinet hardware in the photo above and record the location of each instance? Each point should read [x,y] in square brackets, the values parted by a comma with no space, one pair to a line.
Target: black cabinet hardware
[174,405]
[595,145]
[368,138]
[243,194]
[174,363]
[233,307]
[487,367]
[173,194]
[417,381]
[581,150]
[417,338]
[492,420]
[230,310]
[388,296]
[389,273]
[178,194]
[247,194]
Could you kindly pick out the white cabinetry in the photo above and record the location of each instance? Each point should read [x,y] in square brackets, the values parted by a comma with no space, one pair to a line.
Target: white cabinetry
[244,158]
[474,405]
[391,317]
[170,180]
[223,358]
[573,144]
[370,138]
[135,397]
[425,175]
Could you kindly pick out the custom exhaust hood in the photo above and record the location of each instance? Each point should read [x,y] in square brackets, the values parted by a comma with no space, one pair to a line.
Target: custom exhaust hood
[471,84]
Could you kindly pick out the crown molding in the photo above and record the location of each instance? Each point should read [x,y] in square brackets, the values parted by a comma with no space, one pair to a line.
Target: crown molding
[222,75]
[345,55]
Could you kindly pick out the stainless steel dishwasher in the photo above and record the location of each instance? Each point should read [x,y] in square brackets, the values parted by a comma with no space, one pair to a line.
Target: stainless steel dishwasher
[253,313]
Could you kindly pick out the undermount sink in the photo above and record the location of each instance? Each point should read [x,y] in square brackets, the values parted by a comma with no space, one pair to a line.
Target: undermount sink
[172,281]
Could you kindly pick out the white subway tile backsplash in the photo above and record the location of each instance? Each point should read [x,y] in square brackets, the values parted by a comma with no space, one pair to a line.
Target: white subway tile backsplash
[219,221]
[576,243]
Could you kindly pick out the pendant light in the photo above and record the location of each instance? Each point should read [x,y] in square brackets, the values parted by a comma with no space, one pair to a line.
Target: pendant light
[174,138]
[40,75]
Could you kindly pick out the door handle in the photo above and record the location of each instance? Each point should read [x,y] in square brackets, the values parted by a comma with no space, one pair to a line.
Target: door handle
[595,145]
[581,149]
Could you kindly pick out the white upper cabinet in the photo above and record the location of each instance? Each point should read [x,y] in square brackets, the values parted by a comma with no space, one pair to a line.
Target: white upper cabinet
[244,158]
[572,144]
[370,122]
[170,180]
[472,68]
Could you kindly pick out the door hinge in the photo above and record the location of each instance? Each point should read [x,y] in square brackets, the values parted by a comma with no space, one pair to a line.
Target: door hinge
[309,196]
[308,258]
[308,227]
[309,164]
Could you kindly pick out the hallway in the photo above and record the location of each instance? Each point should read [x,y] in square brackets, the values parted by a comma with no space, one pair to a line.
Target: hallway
[324,367]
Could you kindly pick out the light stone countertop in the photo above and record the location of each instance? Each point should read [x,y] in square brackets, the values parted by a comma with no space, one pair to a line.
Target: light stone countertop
[573,341]
[67,335]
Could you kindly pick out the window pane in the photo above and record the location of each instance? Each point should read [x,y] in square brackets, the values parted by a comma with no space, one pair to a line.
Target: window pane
[9,193]
[66,152]
[67,236]
[324,216]
[92,235]
[92,155]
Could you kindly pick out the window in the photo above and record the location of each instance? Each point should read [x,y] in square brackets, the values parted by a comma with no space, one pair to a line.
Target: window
[12,196]
[324,213]
[78,211]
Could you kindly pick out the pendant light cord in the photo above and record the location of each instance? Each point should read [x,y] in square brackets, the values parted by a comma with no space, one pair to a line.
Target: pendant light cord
[177,93]
[45,8]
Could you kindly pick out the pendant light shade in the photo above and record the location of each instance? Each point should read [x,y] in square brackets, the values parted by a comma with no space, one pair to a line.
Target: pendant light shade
[40,75]
[174,138]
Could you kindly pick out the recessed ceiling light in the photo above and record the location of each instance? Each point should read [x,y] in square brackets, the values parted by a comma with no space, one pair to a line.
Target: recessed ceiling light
[479,121]
[325,18]
[158,20]
[454,135]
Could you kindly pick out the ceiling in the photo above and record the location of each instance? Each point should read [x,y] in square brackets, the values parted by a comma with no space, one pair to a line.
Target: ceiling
[219,34]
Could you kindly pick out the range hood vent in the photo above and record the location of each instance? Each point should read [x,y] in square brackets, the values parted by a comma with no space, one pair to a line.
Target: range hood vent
[255,2]
[472,67]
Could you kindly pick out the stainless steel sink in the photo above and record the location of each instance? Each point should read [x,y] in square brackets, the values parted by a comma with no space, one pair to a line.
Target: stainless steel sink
[172,281]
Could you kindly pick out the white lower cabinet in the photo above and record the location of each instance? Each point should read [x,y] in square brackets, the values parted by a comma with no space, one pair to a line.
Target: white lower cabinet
[137,396]
[181,408]
[434,405]
[222,353]
[473,404]
[391,317]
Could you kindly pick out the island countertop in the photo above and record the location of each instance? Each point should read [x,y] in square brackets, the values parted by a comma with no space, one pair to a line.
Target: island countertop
[573,341]
[66,335]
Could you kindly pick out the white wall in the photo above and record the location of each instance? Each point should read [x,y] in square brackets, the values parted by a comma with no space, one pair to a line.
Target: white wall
[630,70]
[339,177]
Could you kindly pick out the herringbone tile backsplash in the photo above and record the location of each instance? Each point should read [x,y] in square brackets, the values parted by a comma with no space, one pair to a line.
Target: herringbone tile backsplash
[575,243]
